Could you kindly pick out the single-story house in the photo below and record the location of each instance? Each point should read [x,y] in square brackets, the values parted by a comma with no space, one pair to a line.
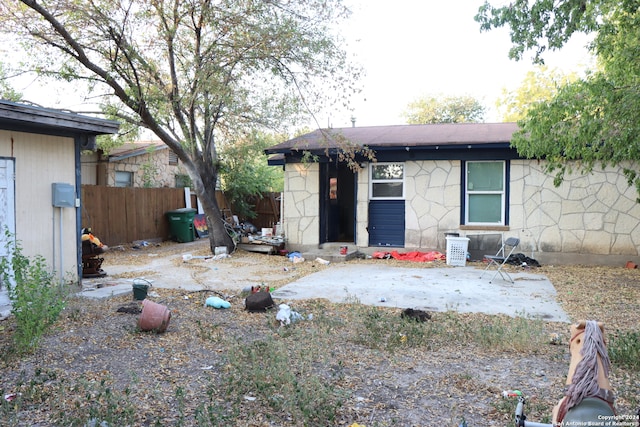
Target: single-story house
[135,164]
[431,180]
[40,181]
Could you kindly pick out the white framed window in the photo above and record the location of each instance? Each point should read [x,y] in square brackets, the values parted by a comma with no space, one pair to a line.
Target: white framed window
[485,192]
[124,179]
[386,181]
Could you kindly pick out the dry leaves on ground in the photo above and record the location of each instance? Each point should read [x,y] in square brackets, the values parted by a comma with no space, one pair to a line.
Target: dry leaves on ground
[382,382]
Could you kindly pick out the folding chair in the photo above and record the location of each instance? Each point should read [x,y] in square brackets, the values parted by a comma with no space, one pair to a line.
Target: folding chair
[498,260]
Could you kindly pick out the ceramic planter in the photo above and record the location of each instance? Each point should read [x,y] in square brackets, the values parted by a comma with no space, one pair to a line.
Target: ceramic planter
[154,317]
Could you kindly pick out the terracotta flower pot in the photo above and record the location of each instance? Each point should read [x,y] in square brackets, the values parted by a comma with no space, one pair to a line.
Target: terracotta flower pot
[154,317]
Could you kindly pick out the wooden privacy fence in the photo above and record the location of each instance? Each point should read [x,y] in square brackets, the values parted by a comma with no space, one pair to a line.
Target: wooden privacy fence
[122,215]
[267,209]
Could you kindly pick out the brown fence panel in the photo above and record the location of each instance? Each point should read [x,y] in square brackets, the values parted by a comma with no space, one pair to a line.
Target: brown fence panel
[122,215]
[268,211]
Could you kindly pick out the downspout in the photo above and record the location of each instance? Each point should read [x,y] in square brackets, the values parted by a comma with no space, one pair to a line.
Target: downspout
[77,143]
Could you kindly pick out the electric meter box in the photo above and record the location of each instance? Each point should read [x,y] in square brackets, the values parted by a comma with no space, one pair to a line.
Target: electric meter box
[63,195]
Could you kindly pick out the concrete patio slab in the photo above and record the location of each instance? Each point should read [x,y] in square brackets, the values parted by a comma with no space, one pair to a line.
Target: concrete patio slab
[432,289]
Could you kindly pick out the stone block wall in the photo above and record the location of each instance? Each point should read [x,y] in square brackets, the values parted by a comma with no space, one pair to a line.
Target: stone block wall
[432,191]
[592,214]
[302,204]
[586,218]
[149,170]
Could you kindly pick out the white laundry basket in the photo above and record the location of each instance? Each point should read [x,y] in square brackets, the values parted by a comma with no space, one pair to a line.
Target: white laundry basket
[457,248]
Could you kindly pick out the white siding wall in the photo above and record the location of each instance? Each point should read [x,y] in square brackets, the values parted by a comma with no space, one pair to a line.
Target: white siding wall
[40,161]
[89,168]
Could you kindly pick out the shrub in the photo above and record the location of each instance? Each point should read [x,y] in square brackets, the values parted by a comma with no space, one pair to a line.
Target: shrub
[35,297]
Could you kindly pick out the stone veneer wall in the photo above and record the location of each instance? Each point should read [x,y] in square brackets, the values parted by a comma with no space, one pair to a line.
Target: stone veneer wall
[362,207]
[592,214]
[163,174]
[586,218]
[432,191]
[301,204]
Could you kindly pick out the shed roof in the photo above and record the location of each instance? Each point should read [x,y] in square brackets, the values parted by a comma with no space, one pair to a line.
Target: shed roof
[399,136]
[29,118]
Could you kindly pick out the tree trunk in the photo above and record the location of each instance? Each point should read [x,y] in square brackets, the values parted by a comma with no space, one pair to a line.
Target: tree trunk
[218,235]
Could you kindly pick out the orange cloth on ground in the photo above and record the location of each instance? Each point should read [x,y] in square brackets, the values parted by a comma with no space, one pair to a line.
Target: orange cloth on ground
[414,256]
[417,256]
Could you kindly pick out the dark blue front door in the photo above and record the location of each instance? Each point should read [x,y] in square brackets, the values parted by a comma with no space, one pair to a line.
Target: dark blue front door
[386,223]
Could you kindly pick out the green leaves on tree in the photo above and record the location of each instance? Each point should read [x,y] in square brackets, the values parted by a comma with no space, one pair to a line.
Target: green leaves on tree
[444,109]
[592,122]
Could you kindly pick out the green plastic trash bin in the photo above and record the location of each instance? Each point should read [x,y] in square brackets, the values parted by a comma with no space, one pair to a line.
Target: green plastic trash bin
[181,224]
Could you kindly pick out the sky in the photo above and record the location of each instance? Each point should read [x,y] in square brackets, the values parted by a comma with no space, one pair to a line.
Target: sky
[414,48]
[409,49]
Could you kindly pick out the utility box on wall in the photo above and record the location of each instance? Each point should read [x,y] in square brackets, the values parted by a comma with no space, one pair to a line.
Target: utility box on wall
[63,195]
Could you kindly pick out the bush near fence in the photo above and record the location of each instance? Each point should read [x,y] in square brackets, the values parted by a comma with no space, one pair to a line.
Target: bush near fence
[120,215]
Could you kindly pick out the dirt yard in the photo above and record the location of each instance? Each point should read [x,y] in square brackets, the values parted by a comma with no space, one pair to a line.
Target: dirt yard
[95,364]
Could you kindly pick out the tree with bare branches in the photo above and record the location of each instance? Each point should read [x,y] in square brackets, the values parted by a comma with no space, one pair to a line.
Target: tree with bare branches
[193,72]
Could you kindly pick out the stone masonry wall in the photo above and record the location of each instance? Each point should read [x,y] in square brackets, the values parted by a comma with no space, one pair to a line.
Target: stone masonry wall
[362,207]
[301,204]
[159,173]
[588,215]
[593,214]
[432,191]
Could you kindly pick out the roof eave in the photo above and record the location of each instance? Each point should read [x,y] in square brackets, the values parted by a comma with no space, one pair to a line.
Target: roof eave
[22,117]
[137,152]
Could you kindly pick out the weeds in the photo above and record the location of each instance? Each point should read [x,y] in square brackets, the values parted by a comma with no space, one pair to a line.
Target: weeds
[35,297]
[214,411]
[517,334]
[534,409]
[382,330]
[263,372]
[275,375]
[94,403]
[624,349]
[208,332]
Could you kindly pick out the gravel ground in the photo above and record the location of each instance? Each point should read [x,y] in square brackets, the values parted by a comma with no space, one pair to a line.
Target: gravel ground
[435,384]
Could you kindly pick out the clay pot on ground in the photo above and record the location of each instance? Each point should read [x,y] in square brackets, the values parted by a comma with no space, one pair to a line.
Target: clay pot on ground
[154,317]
